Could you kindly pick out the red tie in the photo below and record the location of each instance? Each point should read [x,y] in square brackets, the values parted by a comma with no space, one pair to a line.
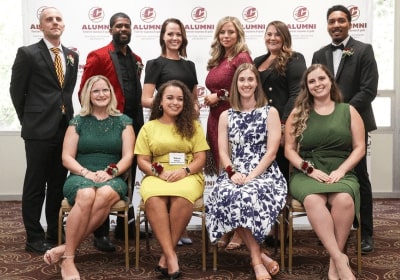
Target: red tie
[58,65]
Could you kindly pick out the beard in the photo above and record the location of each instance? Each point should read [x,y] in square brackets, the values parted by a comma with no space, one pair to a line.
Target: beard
[121,42]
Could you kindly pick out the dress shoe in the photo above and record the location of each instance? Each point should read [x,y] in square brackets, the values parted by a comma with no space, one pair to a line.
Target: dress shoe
[175,275]
[39,246]
[104,244]
[162,270]
[186,240]
[367,245]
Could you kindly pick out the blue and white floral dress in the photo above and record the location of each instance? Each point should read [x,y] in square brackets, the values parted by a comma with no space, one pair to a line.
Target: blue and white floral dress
[255,205]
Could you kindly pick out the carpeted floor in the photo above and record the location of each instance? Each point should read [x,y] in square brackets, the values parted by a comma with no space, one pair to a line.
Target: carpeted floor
[309,262]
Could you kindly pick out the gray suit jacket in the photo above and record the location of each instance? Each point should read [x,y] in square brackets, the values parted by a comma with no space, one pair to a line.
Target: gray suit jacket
[357,77]
[36,93]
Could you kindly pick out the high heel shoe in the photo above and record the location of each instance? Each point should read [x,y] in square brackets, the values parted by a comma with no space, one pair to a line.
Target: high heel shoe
[162,270]
[235,243]
[52,257]
[271,265]
[175,275]
[348,266]
[262,276]
[223,241]
[73,277]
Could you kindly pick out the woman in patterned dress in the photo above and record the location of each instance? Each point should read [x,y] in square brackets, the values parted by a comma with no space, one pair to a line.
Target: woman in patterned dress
[249,195]
[228,51]
[97,150]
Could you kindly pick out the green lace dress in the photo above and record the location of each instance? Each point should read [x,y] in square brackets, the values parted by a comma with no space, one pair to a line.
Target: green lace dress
[100,143]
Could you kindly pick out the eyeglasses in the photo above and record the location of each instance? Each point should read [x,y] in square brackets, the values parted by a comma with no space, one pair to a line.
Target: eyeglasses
[104,91]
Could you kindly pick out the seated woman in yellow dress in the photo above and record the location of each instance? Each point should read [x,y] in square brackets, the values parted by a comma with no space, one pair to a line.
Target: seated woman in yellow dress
[171,152]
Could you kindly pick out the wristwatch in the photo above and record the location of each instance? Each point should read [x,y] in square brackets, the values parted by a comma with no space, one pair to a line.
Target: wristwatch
[187,170]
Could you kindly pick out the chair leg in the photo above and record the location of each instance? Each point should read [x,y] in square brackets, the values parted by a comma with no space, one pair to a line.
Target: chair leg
[359,263]
[126,239]
[215,257]
[137,238]
[282,238]
[290,229]
[203,241]
[60,225]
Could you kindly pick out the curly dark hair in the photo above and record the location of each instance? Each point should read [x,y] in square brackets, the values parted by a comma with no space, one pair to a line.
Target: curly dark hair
[184,122]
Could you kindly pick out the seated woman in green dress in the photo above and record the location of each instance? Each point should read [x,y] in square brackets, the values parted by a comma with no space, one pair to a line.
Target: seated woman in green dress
[324,142]
[97,150]
[171,152]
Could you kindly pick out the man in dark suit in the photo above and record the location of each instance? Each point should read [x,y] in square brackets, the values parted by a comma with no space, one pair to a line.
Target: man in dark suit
[355,70]
[123,68]
[43,103]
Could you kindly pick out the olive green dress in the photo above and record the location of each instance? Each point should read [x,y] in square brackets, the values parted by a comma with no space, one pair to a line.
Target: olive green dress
[326,142]
[100,143]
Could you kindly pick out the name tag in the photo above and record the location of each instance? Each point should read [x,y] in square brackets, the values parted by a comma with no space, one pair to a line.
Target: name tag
[176,158]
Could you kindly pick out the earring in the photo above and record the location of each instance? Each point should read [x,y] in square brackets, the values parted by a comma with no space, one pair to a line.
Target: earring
[160,108]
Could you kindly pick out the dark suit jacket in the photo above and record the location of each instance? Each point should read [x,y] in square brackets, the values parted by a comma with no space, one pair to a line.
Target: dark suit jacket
[36,93]
[357,77]
[281,90]
[104,61]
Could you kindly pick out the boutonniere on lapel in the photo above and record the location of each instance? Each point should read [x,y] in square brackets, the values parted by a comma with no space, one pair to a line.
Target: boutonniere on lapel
[347,52]
[140,67]
[70,60]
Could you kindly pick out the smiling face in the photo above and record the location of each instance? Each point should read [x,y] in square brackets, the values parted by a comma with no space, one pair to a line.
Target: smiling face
[338,26]
[273,39]
[172,101]
[51,24]
[172,37]
[228,36]
[318,83]
[246,83]
[121,31]
[100,94]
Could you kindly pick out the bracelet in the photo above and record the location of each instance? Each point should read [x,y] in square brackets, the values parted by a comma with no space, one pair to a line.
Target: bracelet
[83,173]
[307,167]
[222,94]
[157,168]
[112,170]
[230,169]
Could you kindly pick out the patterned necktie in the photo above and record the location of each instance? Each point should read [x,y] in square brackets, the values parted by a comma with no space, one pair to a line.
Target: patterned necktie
[58,65]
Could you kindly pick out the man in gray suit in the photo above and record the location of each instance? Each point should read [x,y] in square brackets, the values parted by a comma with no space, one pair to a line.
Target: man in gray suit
[353,64]
[43,101]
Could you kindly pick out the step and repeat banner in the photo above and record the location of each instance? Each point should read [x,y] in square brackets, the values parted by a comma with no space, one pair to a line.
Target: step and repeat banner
[87,28]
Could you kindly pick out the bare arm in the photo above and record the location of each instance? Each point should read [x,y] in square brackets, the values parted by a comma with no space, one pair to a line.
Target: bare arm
[147,95]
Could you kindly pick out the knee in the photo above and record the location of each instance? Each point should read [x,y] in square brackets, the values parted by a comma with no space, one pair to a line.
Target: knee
[85,198]
[106,196]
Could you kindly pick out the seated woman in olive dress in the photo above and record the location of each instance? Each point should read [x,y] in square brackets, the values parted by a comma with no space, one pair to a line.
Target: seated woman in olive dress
[324,142]
[97,150]
[171,152]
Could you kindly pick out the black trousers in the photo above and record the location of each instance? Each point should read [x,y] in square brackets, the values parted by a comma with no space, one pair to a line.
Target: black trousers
[104,229]
[366,195]
[44,178]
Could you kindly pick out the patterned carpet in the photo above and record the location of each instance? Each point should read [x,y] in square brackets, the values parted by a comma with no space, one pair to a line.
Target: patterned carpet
[309,262]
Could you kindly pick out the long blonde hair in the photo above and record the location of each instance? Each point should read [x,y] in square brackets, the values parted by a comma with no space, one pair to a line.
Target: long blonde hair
[87,107]
[305,101]
[218,51]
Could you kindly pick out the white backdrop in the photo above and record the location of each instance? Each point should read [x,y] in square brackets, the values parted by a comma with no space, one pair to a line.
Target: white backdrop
[87,28]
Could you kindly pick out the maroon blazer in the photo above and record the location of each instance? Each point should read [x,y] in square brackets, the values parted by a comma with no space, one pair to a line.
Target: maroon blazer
[104,61]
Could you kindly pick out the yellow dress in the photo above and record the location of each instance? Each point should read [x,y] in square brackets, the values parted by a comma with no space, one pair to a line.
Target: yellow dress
[158,140]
